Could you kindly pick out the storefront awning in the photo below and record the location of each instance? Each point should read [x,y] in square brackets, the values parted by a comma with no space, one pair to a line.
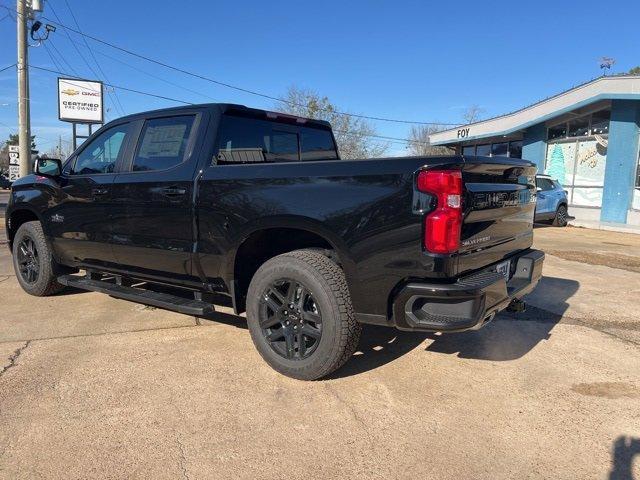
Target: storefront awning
[624,87]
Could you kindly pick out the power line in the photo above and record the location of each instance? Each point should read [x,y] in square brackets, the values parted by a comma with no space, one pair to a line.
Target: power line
[115,86]
[75,20]
[156,76]
[66,62]
[55,62]
[404,140]
[228,85]
[77,49]
[7,67]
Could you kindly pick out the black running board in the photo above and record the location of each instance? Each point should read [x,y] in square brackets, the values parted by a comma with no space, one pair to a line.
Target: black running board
[148,297]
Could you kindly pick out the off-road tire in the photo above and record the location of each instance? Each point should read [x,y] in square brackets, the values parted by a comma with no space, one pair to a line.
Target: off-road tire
[46,283]
[328,285]
[560,220]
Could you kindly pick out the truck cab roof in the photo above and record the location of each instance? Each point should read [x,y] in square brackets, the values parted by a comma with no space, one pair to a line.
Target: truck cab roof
[219,109]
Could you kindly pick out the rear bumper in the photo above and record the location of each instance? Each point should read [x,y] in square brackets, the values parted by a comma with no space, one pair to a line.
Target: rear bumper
[469,302]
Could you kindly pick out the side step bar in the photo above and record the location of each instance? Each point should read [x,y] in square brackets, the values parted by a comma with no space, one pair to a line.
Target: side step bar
[148,297]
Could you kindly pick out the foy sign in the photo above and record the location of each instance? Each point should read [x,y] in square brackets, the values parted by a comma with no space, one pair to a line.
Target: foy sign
[80,101]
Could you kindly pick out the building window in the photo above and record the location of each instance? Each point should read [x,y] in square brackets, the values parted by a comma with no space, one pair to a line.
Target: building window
[500,149]
[469,150]
[579,127]
[579,166]
[596,123]
[483,150]
[600,122]
[515,149]
[559,131]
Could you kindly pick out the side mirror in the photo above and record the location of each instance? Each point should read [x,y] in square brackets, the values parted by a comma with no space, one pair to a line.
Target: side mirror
[538,189]
[48,167]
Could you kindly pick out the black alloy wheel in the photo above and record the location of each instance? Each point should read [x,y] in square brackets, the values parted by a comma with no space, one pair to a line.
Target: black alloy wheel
[36,270]
[290,319]
[28,260]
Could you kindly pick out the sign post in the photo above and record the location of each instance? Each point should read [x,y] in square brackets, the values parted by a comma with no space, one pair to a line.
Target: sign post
[80,102]
[14,163]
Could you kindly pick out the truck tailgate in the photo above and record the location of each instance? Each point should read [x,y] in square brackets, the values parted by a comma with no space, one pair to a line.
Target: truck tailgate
[499,205]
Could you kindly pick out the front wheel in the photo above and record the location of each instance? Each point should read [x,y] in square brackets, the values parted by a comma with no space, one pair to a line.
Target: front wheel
[300,315]
[32,261]
[560,220]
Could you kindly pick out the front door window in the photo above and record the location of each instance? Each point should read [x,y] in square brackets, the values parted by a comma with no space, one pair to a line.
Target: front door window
[101,154]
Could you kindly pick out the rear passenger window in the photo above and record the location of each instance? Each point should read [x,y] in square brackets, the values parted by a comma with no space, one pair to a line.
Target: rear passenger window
[163,143]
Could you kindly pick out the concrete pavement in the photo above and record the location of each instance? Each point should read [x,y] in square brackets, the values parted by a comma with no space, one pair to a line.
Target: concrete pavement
[94,387]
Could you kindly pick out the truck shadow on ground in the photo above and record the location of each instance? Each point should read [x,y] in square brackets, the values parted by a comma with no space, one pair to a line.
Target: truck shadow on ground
[624,450]
[512,335]
[508,337]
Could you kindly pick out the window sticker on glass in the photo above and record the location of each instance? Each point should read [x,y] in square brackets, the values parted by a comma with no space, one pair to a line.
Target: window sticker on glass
[162,141]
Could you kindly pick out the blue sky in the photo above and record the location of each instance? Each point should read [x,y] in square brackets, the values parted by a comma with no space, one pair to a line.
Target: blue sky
[413,60]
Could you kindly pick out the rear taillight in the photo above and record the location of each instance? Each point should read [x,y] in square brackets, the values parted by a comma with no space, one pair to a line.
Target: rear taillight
[442,225]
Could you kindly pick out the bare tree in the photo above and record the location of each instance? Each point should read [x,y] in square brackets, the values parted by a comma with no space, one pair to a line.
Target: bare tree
[420,144]
[472,114]
[352,134]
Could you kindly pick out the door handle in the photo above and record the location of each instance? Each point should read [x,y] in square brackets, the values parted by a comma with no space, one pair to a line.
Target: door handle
[173,191]
[99,191]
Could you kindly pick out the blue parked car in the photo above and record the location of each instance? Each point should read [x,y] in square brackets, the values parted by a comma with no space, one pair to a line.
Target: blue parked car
[552,201]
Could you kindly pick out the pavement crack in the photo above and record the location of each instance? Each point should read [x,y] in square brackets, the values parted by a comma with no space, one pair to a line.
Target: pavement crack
[356,416]
[98,334]
[14,357]
[183,458]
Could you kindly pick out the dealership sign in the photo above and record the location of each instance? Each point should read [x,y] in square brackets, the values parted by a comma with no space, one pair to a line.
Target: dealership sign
[80,101]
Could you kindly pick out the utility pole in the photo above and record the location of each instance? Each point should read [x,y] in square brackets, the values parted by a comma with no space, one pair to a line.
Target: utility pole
[24,122]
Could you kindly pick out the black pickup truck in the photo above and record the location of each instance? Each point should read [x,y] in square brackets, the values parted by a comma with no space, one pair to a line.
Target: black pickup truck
[178,206]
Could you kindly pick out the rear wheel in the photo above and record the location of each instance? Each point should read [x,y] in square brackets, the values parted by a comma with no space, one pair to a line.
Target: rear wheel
[560,220]
[300,315]
[32,261]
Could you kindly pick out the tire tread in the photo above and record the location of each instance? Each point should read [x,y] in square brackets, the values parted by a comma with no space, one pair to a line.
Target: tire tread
[47,268]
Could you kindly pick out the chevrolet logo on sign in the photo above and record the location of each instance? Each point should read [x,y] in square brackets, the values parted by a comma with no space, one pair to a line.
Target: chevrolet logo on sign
[70,91]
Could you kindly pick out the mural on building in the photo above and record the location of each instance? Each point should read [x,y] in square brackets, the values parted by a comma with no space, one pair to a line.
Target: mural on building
[555,164]
[579,167]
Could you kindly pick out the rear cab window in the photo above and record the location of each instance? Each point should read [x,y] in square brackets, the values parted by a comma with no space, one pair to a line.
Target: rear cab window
[245,140]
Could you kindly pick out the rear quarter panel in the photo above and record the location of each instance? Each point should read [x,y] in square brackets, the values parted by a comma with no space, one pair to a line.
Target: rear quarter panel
[364,208]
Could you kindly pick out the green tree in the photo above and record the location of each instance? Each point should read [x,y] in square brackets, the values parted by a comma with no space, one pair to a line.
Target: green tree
[635,71]
[352,134]
[13,140]
[4,150]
